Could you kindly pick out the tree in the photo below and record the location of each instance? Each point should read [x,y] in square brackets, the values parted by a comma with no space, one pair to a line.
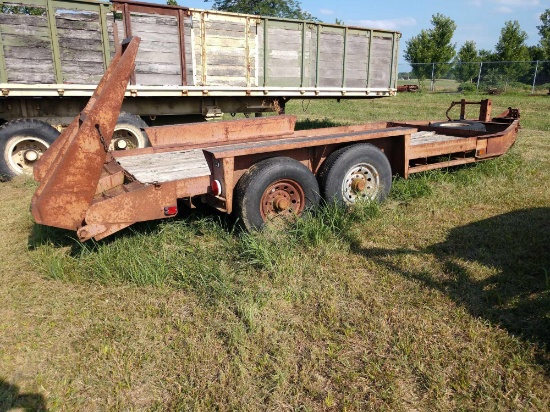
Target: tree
[536,53]
[35,11]
[486,55]
[544,31]
[290,9]
[171,2]
[432,46]
[466,62]
[511,48]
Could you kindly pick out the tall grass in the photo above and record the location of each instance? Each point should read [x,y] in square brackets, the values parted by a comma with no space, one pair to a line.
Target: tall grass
[437,299]
[198,255]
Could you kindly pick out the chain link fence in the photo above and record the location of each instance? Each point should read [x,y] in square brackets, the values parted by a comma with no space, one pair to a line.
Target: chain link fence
[488,77]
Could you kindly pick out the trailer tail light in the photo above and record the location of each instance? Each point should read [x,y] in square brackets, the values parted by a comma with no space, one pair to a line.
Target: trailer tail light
[216,188]
[170,210]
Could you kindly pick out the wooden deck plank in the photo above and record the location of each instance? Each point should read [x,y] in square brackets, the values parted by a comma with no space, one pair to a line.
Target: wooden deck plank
[424,137]
[165,167]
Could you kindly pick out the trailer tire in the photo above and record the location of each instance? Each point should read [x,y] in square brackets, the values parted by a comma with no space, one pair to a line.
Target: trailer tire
[359,171]
[22,143]
[129,133]
[278,186]
[461,125]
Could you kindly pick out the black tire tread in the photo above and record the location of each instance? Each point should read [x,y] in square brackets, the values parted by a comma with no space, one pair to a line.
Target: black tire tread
[245,188]
[326,172]
[13,128]
[135,121]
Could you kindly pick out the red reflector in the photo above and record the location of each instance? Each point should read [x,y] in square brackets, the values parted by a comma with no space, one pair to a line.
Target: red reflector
[216,188]
[170,210]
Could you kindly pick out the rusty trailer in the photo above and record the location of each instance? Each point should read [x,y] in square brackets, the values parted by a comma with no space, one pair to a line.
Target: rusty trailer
[256,168]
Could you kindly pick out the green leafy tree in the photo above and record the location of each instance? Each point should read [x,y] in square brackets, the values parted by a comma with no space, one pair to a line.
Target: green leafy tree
[171,2]
[419,53]
[34,11]
[544,31]
[466,63]
[486,55]
[511,48]
[290,9]
[536,53]
[432,46]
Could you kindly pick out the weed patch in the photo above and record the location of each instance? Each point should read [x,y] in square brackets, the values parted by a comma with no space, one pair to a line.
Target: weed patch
[437,299]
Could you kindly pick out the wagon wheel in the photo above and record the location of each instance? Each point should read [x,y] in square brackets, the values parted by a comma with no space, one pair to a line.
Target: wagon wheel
[353,173]
[129,133]
[22,143]
[276,187]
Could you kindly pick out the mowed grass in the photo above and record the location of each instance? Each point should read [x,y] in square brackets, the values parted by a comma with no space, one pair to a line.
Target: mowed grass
[437,299]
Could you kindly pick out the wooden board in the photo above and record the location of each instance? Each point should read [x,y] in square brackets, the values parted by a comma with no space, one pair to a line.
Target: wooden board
[80,46]
[165,167]
[425,137]
[27,49]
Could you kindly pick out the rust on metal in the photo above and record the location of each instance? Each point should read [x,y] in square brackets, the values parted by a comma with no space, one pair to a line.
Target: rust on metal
[484,112]
[145,203]
[411,88]
[294,142]
[143,7]
[220,132]
[283,197]
[358,185]
[74,166]
[128,32]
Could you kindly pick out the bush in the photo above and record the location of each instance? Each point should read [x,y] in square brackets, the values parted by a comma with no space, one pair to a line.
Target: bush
[467,87]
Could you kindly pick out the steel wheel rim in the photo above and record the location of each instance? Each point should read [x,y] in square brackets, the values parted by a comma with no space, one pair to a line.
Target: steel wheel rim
[283,197]
[24,152]
[131,138]
[361,182]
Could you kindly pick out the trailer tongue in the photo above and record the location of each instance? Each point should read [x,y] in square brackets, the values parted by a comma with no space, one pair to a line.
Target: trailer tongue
[257,168]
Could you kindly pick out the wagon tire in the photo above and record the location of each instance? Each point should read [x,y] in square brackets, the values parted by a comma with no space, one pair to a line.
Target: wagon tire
[461,125]
[357,172]
[129,133]
[22,143]
[275,187]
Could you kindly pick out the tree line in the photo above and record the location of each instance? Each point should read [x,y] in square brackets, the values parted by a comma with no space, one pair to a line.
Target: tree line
[434,46]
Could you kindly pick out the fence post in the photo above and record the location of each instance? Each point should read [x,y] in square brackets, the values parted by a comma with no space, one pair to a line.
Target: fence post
[433,81]
[535,77]
[479,75]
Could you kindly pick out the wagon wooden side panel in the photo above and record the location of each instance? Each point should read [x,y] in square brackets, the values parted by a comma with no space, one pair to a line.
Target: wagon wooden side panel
[26,48]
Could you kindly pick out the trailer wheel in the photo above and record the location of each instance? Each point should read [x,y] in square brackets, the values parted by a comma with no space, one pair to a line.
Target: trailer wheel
[359,171]
[22,143]
[461,125]
[129,133]
[279,186]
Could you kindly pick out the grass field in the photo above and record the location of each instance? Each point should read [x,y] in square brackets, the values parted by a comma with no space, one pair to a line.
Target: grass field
[438,299]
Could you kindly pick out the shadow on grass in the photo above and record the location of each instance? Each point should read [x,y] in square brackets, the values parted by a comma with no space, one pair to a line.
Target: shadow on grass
[516,246]
[11,399]
[307,124]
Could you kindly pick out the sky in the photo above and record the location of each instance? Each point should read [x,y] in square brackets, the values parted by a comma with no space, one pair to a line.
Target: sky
[477,20]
